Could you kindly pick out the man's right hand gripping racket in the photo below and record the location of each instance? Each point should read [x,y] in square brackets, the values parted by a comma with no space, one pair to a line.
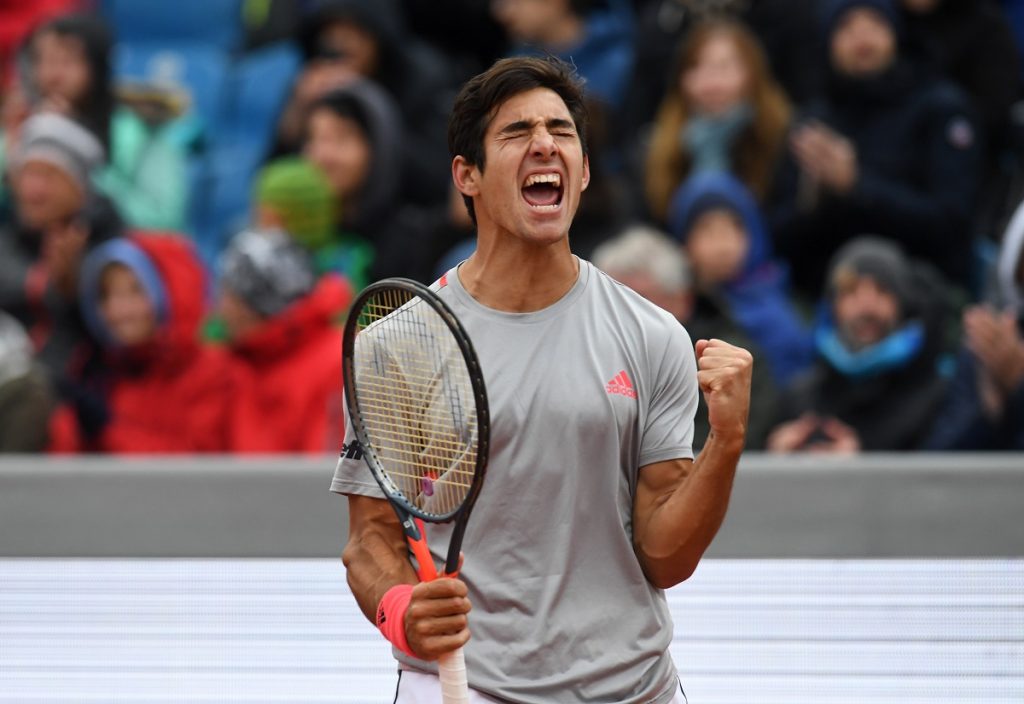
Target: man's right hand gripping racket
[418,407]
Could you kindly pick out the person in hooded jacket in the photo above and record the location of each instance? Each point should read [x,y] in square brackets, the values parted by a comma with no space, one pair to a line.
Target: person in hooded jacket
[355,139]
[984,409]
[890,151]
[347,40]
[878,380]
[285,337]
[159,390]
[718,223]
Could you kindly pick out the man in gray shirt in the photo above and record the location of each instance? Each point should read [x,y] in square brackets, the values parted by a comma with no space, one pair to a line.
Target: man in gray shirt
[593,502]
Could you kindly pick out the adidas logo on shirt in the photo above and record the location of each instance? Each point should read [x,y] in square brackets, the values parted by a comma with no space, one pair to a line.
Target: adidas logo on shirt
[352,451]
[621,385]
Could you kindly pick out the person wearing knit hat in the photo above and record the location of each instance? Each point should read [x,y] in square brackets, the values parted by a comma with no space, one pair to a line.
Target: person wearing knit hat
[60,141]
[835,9]
[266,271]
[878,379]
[55,218]
[294,195]
[285,341]
[889,149]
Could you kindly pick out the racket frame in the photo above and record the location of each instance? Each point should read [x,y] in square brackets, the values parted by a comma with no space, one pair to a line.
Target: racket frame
[409,515]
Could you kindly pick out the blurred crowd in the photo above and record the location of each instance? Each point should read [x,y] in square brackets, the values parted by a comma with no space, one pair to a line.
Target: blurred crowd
[193,191]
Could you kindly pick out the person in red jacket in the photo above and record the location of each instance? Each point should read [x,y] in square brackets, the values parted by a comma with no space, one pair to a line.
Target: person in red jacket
[283,329]
[159,390]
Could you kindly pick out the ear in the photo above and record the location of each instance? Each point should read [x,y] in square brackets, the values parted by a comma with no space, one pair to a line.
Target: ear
[586,172]
[466,177]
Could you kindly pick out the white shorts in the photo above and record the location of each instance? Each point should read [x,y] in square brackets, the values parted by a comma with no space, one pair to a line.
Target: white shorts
[423,688]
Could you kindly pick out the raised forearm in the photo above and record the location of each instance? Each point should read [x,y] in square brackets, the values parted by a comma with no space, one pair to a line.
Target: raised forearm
[683,521]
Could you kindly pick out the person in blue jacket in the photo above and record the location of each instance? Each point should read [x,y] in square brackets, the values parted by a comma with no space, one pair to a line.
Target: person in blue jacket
[717,221]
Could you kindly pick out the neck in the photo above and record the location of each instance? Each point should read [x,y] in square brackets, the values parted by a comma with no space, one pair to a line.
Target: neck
[519,277]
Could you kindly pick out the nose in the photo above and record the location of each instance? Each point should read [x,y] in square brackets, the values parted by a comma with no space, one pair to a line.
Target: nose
[543,144]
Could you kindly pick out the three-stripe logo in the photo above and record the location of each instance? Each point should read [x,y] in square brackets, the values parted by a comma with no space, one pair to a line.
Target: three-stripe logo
[621,385]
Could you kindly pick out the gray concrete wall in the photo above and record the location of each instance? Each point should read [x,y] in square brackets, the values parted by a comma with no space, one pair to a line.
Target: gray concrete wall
[783,507]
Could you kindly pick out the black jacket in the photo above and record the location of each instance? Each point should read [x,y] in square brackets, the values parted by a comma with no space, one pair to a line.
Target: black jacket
[918,153]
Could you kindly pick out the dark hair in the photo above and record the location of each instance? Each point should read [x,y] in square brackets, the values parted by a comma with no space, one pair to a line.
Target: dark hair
[482,96]
[344,104]
[96,108]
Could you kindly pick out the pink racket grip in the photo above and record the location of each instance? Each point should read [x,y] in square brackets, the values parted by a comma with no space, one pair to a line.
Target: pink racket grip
[451,669]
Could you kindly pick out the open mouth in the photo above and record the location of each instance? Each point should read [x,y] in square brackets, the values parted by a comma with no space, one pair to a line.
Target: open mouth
[543,191]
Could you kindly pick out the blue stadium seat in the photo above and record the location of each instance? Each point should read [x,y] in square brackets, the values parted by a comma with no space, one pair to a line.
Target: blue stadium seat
[201,70]
[214,22]
[261,82]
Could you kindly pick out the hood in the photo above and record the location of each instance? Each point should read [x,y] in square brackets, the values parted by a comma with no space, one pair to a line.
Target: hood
[305,318]
[1011,289]
[370,105]
[381,18]
[170,271]
[708,190]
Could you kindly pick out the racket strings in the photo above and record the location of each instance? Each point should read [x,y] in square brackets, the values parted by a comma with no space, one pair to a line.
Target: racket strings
[416,400]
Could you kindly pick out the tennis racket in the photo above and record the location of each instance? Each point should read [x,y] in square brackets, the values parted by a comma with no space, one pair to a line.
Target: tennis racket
[418,407]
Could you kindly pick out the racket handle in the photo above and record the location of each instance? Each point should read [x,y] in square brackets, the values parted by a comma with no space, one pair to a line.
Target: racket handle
[451,668]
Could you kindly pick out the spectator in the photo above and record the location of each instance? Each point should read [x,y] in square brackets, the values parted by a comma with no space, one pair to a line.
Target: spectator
[68,71]
[343,40]
[284,338]
[718,223]
[877,384]
[985,406]
[890,151]
[724,112]
[57,218]
[295,196]
[651,264]
[355,140]
[595,39]
[785,28]
[17,19]
[160,390]
[971,43]
[26,397]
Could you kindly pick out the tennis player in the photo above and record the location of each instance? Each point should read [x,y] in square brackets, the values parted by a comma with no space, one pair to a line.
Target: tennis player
[593,502]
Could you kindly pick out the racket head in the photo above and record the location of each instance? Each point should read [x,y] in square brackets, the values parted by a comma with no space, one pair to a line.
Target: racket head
[416,399]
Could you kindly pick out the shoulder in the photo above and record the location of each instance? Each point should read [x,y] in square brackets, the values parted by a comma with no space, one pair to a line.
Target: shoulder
[624,307]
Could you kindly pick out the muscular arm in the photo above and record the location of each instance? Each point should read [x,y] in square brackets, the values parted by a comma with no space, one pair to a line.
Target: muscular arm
[376,559]
[680,504]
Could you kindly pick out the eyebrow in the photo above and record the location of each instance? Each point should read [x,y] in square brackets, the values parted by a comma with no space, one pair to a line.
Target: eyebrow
[555,123]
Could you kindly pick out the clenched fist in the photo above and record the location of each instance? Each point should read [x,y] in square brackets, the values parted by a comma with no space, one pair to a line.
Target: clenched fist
[436,621]
[724,373]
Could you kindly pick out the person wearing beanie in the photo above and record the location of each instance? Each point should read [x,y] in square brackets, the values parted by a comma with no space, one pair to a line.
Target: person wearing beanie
[284,336]
[294,195]
[26,397]
[878,380]
[56,217]
[984,409]
[717,222]
[889,149]
[159,389]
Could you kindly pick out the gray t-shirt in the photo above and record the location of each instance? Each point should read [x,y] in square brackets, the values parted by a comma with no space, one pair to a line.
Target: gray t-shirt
[582,394]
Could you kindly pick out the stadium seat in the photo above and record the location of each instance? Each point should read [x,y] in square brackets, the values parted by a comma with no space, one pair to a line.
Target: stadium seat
[214,22]
[202,71]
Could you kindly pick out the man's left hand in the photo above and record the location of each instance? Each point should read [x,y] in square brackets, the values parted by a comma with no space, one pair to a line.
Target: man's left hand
[724,373]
